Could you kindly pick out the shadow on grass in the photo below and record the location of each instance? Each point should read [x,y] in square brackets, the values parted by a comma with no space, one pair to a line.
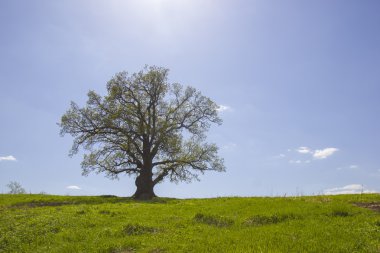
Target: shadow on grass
[340,213]
[136,229]
[261,220]
[213,220]
[52,201]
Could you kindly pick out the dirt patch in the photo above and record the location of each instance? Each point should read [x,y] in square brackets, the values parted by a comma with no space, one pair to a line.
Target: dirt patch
[375,206]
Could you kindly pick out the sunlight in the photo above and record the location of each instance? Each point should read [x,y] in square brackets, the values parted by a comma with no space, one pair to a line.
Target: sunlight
[164,21]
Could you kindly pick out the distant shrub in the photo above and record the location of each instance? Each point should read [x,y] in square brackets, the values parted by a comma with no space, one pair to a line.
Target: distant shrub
[15,188]
[260,220]
[135,229]
[213,220]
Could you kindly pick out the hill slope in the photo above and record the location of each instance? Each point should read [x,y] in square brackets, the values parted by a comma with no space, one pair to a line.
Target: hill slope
[44,223]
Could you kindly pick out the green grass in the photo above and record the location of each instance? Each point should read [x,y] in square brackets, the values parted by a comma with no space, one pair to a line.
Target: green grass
[45,223]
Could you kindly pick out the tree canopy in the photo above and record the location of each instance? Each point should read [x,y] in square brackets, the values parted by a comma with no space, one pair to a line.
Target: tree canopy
[147,127]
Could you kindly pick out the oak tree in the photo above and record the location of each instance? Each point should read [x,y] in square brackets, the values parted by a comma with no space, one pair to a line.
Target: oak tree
[145,127]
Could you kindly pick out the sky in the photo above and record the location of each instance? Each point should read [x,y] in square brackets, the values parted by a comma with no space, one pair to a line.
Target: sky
[298,85]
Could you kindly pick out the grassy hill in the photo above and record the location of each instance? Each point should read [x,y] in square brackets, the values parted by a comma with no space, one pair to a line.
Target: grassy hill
[45,223]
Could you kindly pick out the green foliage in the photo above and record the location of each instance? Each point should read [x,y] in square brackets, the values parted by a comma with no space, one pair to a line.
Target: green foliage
[145,125]
[47,223]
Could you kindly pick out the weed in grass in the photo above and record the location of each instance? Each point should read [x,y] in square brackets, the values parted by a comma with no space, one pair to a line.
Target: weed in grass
[157,250]
[339,212]
[136,229]
[104,212]
[260,220]
[377,223]
[107,212]
[55,230]
[90,225]
[121,250]
[106,232]
[81,212]
[213,220]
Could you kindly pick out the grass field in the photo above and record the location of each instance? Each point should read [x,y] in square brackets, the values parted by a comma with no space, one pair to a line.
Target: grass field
[45,223]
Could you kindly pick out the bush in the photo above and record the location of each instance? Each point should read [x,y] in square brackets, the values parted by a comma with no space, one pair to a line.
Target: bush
[15,188]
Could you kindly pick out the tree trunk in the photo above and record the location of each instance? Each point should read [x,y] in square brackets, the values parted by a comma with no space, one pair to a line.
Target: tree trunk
[144,184]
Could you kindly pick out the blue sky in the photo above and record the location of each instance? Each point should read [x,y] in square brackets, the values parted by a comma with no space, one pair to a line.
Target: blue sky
[299,83]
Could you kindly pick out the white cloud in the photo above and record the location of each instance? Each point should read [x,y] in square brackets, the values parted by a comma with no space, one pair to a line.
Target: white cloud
[354,166]
[324,153]
[348,189]
[304,150]
[224,108]
[7,158]
[73,187]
